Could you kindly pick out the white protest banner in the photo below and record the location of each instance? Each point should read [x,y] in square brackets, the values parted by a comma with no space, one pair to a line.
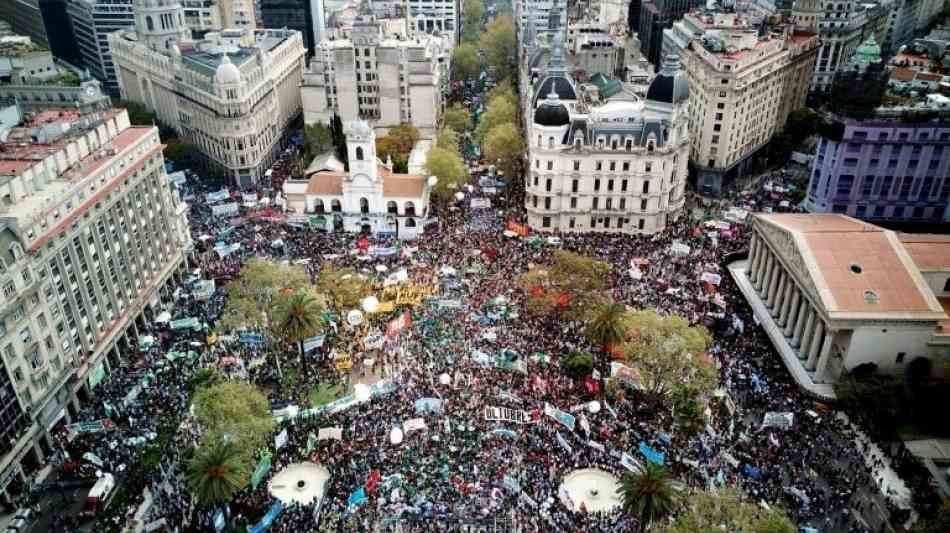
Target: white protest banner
[597,446]
[222,210]
[778,420]
[679,249]
[563,442]
[610,410]
[585,425]
[630,463]
[730,459]
[566,419]
[503,414]
[330,433]
[281,439]
[374,341]
[481,203]
[712,279]
[413,424]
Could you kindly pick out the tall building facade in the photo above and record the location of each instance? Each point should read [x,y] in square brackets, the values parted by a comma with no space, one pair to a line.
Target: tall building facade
[25,18]
[92,22]
[436,17]
[90,232]
[744,84]
[383,79]
[292,14]
[62,40]
[232,93]
[655,16]
[620,167]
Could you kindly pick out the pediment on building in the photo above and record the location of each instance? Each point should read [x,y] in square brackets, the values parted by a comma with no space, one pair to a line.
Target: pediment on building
[797,260]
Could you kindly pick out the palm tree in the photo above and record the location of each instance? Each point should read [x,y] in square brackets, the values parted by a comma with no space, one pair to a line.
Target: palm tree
[216,472]
[605,326]
[649,495]
[299,317]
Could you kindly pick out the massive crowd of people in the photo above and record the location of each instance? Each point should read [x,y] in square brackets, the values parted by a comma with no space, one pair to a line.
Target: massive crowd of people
[460,468]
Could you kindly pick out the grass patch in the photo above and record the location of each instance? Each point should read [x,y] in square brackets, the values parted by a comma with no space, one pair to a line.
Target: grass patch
[325,393]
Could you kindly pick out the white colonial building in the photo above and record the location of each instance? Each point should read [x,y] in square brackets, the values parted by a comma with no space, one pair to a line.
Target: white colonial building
[618,167]
[834,292]
[232,93]
[370,198]
[383,77]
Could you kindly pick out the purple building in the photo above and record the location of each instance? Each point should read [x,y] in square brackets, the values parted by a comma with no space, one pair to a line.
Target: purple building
[882,169]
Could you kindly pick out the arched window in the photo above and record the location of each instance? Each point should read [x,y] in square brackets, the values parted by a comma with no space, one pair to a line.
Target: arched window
[550,142]
[629,145]
[335,206]
[410,222]
[318,206]
[613,144]
[410,209]
[539,141]
[149,24]
[392,208]
[359,153]
[364,204]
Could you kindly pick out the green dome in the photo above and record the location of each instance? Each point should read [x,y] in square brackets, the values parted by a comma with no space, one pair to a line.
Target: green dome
[868,53]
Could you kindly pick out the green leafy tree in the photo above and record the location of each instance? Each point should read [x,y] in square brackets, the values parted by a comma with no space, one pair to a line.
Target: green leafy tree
[449,168]
[578,364]
[397,144]
[472,13]
[182,153]
[343,287]
[503,90]
[252,295]
[728,510]
[298,316]
[216,472]
[205,377]
[688,410]
[650,495]
[505,146]
[139,115]
[465,63]
[447,139]
[605,324]
[498,112]
[500,46]
[668,352]
[457,118]
[572,284]
[235,412]
[317,139]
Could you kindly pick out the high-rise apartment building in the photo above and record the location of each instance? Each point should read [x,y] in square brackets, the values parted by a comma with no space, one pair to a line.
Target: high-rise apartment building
[90,232]
[655,15]
[92,22]
[385,79]
[25,18]
[202,16]
[436,17]
[743,85]
[232,93]
[291,14]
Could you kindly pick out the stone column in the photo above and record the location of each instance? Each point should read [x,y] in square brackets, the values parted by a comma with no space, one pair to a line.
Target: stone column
[792,312]
[38,452]
[772,289]
[823,357]
[776,300]
[764,269]
[807,334]
[799,321]
[755,250]
[786,299]
[815,347]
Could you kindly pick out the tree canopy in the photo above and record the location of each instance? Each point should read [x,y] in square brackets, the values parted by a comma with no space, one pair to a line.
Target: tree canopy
[571,285]
[472,13]
[504,146]
[343,287]
[457,118]
[465,62]
[235,412]
[449,167]
[728,510]
[217,471]
[252,295]
[500,46]
[649,495]
[299,316]
[668,352]
[397,144]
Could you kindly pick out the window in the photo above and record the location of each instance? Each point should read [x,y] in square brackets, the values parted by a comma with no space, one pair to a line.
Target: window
[359,153]
[643,205]
[573,202]
[547,185]
[599,165]
[550,165]
[595,202]
[596,185]
[26,336]
[648,167]
[547,203]
[546,222]
[9,289]
[610,185]
[574,185]
[900,357]
[613,166]
[646,187]
[35,360]
[623,186]
[626,166]
[640,224]
[577,166]
[570,223]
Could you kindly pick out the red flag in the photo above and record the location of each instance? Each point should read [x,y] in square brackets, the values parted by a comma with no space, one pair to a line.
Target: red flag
[592,386]
[363,244]
[563,299]
[490,253]
[372,481]
[537,291]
